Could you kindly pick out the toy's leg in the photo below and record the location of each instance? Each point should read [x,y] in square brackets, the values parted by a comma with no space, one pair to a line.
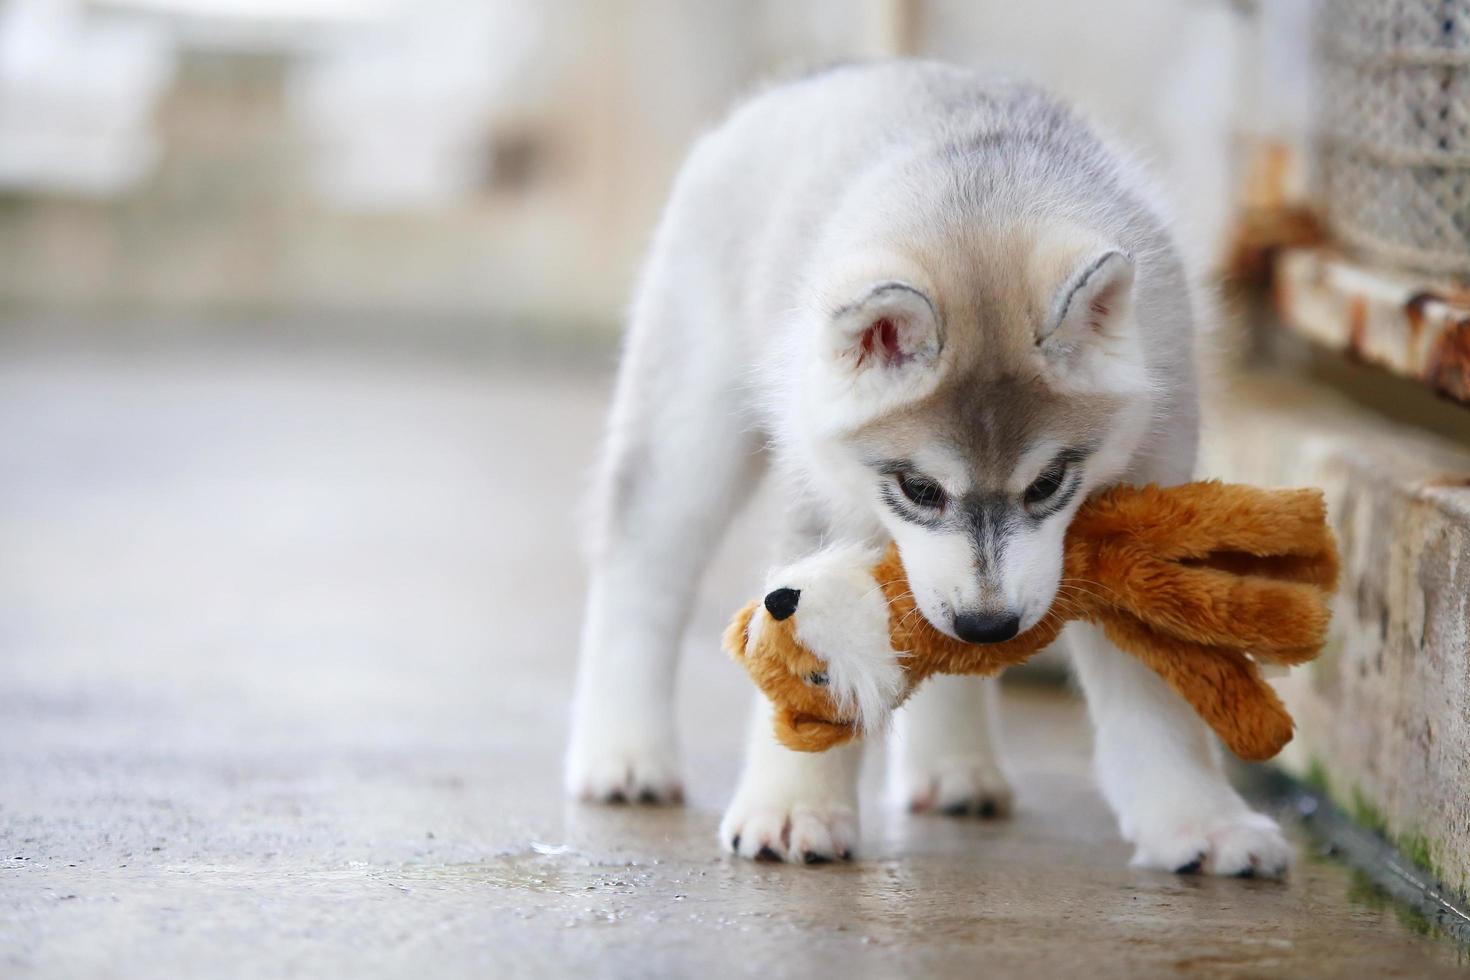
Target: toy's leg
[793,806]
[679,461]
[945,749]
[1159,769]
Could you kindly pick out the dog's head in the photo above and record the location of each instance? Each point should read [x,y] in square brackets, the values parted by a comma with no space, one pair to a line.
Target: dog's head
[972,390]
[818,647]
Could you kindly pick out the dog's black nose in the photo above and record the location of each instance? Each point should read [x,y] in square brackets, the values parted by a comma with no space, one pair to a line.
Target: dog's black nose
[781,603]
[979,627]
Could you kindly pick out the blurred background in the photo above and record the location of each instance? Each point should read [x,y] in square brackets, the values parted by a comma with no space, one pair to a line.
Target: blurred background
[493,167]
[308,316]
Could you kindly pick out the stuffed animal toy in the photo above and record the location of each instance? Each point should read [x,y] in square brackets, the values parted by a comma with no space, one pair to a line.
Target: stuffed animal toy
[1203,583]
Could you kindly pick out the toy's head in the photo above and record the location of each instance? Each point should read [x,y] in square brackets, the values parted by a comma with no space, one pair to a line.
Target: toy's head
[818,647]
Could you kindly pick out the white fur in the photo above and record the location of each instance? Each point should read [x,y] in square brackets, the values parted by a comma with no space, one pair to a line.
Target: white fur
[842,616]
[846,387]
[945,749]
[1160,772]
[794,806]
[741,356]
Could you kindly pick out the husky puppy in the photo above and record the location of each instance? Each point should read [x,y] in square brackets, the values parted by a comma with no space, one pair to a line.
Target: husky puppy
[939,309]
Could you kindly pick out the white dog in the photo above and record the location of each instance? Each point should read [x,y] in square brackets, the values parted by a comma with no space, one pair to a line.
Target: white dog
[942,310]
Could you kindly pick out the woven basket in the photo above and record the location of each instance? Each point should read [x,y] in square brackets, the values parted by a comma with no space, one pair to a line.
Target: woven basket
[1394,86]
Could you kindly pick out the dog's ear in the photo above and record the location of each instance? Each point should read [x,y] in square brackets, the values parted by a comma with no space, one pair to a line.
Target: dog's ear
[889,330]
[882,340]
[1086,332]
[1093,302]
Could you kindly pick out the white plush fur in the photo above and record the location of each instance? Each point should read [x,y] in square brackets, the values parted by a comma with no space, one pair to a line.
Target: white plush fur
[843,613]
[994,232]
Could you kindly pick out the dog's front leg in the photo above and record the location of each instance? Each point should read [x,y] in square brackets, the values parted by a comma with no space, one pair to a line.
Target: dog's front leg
[1159,769]
[793,806]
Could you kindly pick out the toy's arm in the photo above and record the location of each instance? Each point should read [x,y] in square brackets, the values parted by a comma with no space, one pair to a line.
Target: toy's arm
[1281,621]
[1206,518]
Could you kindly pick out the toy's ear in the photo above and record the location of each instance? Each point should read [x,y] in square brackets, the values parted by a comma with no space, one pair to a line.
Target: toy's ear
[738,632]
[803,732]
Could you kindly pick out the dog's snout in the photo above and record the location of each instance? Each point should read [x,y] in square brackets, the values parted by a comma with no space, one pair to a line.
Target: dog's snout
[781,603]
[986,627]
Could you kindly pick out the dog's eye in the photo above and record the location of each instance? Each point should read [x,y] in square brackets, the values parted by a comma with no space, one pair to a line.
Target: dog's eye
[1047,484]
[921,490]
[817,678]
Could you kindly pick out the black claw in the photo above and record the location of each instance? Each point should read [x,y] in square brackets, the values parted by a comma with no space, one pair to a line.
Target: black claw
[1193,867]
[812,857]
[617,796]
[648,796]
[846,855]
[956,809]
[1246,873]
[766,854]
[988,809]
[735,843]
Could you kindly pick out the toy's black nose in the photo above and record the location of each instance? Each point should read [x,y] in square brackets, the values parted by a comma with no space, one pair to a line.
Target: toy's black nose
[782,602]
[981,627]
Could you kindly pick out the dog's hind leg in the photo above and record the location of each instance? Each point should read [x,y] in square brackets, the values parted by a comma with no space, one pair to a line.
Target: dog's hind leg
[680,458]
[945,749]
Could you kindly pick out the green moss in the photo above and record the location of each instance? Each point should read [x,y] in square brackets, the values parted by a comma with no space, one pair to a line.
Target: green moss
[1364,812]
[1419,849]
[1414,920]
[1362,890]
[1316,777]
[1416,847]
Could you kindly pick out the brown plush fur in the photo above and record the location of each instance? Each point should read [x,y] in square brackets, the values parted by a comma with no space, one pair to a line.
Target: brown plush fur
[1200,582]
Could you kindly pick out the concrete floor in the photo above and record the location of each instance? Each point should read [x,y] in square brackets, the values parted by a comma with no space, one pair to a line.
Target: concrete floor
[286,639]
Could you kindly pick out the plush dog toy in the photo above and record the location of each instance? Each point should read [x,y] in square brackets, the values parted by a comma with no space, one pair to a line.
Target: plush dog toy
[1201,582]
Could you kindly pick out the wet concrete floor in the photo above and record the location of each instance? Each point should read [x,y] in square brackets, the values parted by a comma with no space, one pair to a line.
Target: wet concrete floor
[286,639]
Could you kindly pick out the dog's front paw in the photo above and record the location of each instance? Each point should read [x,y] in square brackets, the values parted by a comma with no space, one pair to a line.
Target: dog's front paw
[800,830]
[958,787]
[623,764]
[1245,844]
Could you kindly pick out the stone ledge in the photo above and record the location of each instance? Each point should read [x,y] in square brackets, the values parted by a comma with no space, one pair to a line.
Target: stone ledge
[1383,718]
[1397,322]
